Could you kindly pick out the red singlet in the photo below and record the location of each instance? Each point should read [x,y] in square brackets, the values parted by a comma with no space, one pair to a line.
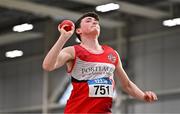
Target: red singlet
[92,80]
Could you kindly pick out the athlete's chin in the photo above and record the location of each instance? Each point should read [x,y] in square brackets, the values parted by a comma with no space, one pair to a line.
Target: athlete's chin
[95,31]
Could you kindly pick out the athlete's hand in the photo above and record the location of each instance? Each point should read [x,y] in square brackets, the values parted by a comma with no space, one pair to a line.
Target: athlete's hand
[150,96]
[64,33]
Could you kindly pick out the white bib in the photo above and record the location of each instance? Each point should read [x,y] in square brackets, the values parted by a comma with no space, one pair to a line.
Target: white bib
[101,87]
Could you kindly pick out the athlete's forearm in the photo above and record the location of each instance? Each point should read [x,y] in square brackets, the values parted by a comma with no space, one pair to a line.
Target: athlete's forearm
[134,91]
[51,57]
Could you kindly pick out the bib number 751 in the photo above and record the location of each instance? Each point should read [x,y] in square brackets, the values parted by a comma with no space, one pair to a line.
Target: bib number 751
[101,87]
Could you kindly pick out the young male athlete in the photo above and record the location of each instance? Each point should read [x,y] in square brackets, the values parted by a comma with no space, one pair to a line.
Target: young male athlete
[91,67]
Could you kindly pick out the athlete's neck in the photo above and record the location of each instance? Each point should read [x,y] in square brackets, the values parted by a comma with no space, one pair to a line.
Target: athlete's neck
[91,44]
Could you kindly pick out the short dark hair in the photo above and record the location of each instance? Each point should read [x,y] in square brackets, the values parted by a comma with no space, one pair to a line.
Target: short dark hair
[78,22]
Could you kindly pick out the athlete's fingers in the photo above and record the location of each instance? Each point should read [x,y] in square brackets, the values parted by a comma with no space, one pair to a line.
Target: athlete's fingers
[150,96]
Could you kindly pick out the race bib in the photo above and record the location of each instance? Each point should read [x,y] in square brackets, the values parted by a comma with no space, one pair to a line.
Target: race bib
[101,87]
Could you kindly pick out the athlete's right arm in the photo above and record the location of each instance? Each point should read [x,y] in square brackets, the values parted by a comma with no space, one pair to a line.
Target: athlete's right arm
[58,56]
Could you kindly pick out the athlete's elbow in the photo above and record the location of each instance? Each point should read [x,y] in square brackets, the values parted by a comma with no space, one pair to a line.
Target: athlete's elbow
[126,86]
[47,67]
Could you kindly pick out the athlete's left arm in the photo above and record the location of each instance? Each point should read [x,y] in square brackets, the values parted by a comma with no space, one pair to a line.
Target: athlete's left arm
[129,87]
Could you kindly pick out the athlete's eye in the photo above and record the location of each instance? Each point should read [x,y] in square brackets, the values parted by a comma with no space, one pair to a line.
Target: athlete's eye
[97,22]
[88,20]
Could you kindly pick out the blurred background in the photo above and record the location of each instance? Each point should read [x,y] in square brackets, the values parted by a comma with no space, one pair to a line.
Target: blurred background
[146,34]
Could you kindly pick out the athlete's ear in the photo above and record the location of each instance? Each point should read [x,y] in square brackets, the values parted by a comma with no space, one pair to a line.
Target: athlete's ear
[78,31]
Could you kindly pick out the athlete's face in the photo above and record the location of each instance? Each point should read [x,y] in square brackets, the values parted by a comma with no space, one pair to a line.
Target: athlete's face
[89,25]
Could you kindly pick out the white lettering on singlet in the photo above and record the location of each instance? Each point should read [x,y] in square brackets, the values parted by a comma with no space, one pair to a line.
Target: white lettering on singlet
[84,70]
